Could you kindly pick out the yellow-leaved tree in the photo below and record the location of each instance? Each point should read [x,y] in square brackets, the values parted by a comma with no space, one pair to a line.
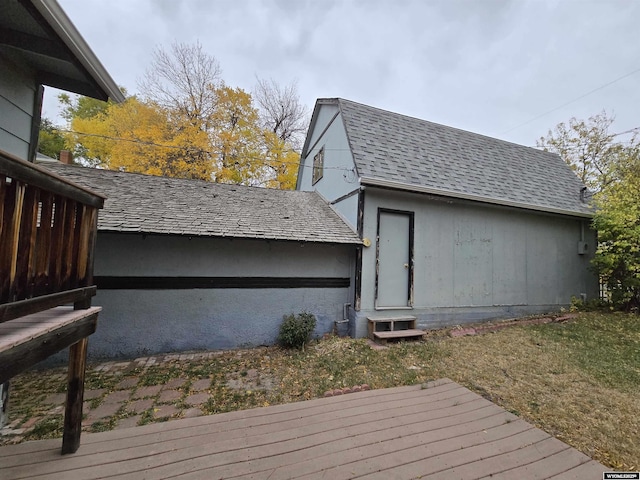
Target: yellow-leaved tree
[188,124]
[236,138]
[281,161]
[141,137]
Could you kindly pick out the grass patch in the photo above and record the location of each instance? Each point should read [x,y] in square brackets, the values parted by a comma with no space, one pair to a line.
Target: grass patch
[102,426]
[606,346]
[159,375]
[50,427]
[147,417]
[579,381]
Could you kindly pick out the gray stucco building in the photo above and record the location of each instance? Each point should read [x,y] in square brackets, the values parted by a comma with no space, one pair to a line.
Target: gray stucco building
[456,226]
[186,264]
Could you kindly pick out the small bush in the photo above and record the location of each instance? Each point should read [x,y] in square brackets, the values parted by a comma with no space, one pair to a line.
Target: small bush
[592,305]
[296,330]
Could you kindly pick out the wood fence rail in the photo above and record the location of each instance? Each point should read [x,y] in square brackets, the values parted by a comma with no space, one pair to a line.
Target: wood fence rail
[48,228]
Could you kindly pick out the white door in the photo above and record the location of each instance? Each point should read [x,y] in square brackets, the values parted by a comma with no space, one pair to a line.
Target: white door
[394,272]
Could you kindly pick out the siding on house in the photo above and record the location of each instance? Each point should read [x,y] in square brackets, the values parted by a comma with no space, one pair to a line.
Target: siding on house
[474,262]
[17,97]
[339,177]
[496,225]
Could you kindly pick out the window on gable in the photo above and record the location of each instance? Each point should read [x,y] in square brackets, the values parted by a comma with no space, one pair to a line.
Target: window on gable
[318,166]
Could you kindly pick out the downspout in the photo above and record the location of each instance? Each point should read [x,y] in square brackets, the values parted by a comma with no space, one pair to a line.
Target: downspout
[35,124]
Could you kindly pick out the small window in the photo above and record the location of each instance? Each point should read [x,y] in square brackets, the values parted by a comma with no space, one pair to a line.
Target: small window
[318,166]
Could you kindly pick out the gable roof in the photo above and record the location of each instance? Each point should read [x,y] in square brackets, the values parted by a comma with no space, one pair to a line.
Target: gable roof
[397,151]
[38,34]
[159,205]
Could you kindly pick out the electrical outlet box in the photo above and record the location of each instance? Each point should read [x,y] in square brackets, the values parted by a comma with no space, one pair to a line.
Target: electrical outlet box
[583,248]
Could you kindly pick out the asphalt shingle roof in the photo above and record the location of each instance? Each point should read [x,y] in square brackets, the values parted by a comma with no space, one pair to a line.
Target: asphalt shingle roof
[148,204]
[393,147]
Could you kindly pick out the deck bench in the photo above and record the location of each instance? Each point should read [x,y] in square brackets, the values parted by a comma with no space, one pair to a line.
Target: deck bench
[27,340]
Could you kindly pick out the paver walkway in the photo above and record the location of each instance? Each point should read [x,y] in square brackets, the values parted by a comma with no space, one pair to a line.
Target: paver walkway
[130,401]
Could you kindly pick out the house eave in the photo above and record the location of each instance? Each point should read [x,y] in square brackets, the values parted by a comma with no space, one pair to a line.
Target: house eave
[53,14]
[390,184]
[139,230]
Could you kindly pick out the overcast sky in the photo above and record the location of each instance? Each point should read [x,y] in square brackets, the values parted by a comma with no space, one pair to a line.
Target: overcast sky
[495,67]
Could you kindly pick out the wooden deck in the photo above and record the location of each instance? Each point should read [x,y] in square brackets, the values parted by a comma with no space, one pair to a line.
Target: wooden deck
[441,431]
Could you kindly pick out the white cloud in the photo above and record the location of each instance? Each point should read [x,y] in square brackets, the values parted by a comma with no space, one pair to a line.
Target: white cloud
[482,65]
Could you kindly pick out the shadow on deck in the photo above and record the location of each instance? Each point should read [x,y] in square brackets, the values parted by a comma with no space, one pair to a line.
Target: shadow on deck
[442,430]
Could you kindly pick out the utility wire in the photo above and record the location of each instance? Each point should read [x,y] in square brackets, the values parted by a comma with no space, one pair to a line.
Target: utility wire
[570,102]
[631,130]
[199,150]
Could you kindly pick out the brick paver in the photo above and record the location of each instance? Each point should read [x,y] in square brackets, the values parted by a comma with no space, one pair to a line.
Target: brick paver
[91,394]
[150,391]
[127,383]
[119,396]
[192,412]
[175,383]
[55,398]
[165,411]
[169,396]
[196,398]
[103,411]
[31,422]
[140,406]
[200,385]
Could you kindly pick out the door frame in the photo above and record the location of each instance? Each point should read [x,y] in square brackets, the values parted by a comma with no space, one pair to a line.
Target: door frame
[411,231]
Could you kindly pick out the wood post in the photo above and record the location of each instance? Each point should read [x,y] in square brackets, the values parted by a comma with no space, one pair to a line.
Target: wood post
[75,397]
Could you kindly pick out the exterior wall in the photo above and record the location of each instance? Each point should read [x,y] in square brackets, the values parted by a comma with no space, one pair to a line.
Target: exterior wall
[137,322]
[339,175]
[476,262]
[17,97]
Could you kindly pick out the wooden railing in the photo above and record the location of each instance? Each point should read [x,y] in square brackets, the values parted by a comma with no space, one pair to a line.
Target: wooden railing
[48,228]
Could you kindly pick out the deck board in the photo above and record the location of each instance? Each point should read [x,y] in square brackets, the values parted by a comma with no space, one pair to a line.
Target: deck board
[24,329]
[403,432]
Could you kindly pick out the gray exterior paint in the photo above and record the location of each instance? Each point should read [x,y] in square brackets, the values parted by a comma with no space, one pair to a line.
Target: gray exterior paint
[142,322]
[164,229]
[339,176]
[17,96]
[497,225]
[474,262]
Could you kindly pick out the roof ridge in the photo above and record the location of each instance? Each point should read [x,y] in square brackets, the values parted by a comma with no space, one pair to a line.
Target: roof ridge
[442,125]
[176,179]
[403,150]
[148,204]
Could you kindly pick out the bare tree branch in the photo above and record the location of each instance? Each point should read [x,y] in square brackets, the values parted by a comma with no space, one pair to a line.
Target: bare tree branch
[183,79]
[281,111]
[587,146]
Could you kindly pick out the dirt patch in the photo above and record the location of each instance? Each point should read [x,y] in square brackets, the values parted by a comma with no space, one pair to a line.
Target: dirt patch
[250,380]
